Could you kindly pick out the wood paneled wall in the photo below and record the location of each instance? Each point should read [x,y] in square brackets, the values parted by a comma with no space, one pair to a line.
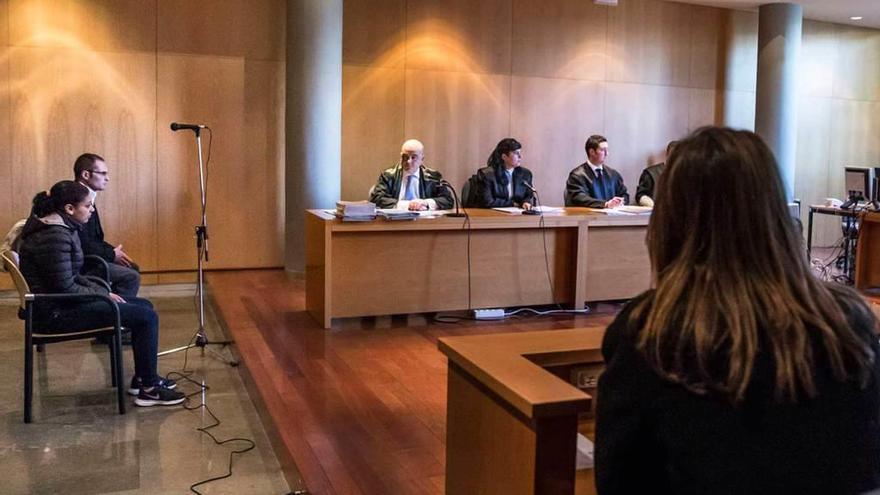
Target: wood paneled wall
[461,75]
[108,76]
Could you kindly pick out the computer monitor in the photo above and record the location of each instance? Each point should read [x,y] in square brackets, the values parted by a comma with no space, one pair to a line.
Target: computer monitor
[858,183]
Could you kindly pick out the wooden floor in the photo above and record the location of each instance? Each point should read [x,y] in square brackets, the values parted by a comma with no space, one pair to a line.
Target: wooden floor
[360,408]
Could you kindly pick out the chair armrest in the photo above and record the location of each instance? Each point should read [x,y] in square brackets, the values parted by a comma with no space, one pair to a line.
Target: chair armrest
[98,280]
[29,300]
[105,267]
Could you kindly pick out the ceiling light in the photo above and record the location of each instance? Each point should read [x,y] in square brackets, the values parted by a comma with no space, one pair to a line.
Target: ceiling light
[856,18]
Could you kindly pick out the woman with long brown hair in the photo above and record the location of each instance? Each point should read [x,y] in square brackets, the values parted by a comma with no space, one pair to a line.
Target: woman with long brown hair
[740,372]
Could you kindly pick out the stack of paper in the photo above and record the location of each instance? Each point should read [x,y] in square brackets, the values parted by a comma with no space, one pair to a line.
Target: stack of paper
[355,211]
[398,214]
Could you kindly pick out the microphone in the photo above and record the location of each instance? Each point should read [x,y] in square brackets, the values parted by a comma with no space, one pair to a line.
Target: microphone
[457,214]
[192,127]
[535,192]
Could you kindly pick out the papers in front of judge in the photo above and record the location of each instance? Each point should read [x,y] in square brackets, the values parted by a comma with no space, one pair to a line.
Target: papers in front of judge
[355,211]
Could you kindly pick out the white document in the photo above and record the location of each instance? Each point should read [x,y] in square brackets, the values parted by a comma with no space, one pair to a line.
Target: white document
[584,458]
[638,210]
[513,210]
[547,209]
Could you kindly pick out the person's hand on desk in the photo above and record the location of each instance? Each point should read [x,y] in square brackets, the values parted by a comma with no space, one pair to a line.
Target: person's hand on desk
[526,206]
[614,202]
[417,205]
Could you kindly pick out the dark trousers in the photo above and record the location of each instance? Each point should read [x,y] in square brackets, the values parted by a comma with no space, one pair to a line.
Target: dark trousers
[124,281]
[136,314]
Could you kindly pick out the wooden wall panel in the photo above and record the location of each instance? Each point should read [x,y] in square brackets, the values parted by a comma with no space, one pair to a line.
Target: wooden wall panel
[552,118]
[373,108]
[857,73]
[374,32]
[259,177]
[561,39]
[106,25]
[649,42]
[206,90]
[244,28]
[819,49]
[740,32]
[704,108]
[60,111]
[4,24]
[459,35]
[707,46]
[458,116]
[639,121]
[7,214]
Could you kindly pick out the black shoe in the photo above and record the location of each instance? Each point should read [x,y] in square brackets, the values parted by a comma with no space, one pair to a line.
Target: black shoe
[136,384]
[159,396]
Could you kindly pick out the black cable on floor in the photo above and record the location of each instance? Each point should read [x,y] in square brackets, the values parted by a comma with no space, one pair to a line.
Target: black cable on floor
[184,375]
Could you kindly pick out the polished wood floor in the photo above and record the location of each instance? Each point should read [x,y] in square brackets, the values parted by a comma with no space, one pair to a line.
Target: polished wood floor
[360,408]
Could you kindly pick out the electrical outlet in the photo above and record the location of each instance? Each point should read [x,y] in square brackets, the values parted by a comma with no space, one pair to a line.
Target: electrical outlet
[586,376]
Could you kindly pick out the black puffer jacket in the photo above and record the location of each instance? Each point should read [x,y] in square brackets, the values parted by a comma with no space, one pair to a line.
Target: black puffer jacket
[51,257]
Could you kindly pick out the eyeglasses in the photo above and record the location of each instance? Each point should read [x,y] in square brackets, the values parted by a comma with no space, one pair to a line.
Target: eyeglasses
[100,172]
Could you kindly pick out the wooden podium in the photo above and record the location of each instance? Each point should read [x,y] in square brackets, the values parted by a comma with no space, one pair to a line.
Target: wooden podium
[868,253]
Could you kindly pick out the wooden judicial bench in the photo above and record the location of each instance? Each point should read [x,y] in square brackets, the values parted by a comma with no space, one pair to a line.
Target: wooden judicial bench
[355,268]
[512,424]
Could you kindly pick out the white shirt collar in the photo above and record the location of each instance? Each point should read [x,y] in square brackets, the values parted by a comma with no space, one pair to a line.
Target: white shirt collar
[92,193]
[594,167]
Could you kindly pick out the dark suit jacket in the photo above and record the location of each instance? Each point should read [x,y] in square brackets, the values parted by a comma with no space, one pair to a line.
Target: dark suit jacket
[654,436]
[648,181]
[491,192]
[580,189]
[91,236]
[387,188]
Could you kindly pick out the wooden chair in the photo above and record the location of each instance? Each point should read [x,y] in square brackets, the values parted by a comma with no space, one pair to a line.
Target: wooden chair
[34,337]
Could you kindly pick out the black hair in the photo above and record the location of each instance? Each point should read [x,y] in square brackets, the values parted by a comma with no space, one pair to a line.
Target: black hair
[84,162]
[66,192]
[593,142]
[495,161]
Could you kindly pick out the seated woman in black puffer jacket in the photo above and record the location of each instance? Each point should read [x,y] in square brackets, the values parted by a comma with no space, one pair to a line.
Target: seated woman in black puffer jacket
[51,259]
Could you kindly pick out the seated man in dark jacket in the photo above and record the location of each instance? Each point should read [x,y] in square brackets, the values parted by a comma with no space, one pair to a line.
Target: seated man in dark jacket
[409,185]
[91,171]
[648,180]
[594,184]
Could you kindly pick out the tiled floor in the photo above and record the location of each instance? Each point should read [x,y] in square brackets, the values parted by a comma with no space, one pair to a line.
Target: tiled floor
[79,444]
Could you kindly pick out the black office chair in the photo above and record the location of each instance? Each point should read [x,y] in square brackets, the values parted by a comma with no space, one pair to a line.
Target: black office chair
[468,191]
[34,337]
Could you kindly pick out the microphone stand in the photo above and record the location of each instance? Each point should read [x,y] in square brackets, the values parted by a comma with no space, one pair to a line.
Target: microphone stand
[874,205]
[457,213]
[537,201]
[201,337]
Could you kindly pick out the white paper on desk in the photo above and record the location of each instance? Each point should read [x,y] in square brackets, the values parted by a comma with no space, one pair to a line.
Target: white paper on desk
[611,211]
[547,209]
[584,458]
[638,210]
[513,210]
[332,212]
[422,213]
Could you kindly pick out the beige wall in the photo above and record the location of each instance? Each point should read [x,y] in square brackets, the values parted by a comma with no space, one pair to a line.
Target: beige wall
[108,77]
[461,75]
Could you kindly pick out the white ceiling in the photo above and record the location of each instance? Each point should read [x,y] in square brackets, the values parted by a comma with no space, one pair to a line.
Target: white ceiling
[838,11]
